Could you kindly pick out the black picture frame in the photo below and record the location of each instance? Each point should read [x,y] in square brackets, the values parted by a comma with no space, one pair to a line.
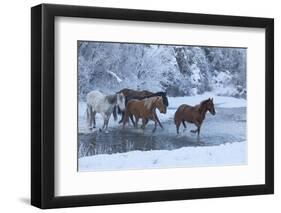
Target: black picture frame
[43,105]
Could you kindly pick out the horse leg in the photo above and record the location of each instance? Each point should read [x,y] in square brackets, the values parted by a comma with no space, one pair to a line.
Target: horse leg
[143,123]
[198,130]
[104,116]
[132,119]
[94,118]
[156,117]
[183,123]
[125,118]
[195,130]
[89,116]
[155,123]
[155,126]
[177,126]
[122,117]
[106,121]
[137,120]
[198,124]
[146,121]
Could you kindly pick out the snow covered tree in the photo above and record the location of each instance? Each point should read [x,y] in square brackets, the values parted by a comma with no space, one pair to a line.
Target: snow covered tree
[179,70]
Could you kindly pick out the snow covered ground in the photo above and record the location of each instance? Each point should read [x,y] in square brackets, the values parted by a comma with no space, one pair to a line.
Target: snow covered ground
[223,137]
[222,155]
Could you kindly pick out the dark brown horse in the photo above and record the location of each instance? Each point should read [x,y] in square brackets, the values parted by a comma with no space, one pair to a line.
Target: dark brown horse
[194,114]
[131,94]
[144,109]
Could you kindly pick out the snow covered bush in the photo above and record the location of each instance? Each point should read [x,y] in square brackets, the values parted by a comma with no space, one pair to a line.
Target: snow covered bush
[179,70]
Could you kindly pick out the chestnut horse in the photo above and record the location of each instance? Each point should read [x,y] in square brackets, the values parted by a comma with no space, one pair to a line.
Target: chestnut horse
[193,114]
[139,95]
[144,109]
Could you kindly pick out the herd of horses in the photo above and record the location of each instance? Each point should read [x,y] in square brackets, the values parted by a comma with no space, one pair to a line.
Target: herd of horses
[136,105]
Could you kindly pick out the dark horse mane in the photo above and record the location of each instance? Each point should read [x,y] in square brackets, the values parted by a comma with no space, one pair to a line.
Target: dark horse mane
[203,103]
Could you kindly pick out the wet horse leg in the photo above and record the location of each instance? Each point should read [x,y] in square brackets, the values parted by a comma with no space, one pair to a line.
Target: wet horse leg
[178,123]
[155,121]
[137,120]
[125,118]
[94,118]
[156,117]
[122,117]
[104,120]
[183,123]
[89,116]
[132,119]
[198,124]
[143,123]
[146,121]
[198,131]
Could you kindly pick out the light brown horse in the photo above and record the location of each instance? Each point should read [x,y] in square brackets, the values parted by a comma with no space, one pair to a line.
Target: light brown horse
[144,109]
[139,95]
[193,114]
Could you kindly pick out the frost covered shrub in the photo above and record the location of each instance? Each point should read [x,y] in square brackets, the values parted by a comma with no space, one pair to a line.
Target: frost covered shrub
[179,70]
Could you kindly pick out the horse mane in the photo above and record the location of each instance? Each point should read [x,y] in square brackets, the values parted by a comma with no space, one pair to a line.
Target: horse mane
[204,101]
[149,101]
[157,94]
[163,95]
[202,104]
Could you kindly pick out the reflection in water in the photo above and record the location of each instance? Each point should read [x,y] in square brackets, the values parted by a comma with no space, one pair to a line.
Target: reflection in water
[229,125]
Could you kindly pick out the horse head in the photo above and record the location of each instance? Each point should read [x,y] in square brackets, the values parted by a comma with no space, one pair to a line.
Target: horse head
[210,106]
[158,103]
[120,102]
[165,100]
[164,96]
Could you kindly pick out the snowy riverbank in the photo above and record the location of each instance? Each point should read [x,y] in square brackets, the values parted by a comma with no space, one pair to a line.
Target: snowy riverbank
[222,155]
[174,103]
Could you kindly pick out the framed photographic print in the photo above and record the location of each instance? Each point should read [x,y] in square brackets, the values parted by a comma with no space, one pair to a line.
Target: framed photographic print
[140,106]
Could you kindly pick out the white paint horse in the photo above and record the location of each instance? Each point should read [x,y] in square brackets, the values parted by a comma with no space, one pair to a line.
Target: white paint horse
[100,103]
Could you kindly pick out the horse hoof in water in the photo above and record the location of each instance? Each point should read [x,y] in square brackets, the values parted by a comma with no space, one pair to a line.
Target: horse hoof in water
[92,128]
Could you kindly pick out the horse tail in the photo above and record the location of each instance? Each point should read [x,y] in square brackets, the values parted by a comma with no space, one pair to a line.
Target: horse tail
[119,110]
[115,112]
[176,116]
